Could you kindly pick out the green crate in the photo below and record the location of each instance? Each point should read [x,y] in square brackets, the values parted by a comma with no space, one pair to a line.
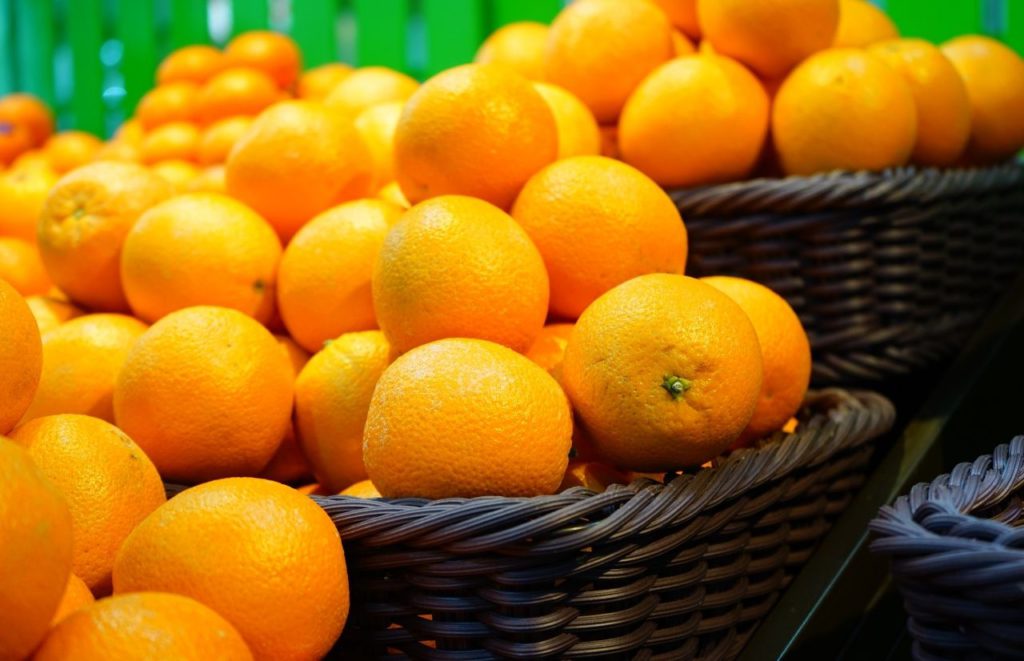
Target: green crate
[93,59]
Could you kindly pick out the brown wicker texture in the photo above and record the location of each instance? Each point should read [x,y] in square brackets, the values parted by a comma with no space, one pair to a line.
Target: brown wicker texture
[957,551]
[888,271]
[644,571]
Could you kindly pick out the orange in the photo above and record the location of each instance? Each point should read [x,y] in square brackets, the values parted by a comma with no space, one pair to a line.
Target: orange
[27,111]
[681,45]
[217,140]
[994,76]
[298,159]
[15,140]
[35,549]
[463,418]
[324,276]
[130,132]
[177,174]
[785,350]
[273,53]
[212,179]
[21,358]
[173,102]
[236,91]
[50,312]
[664,372]
[581,212]
[332,396]
[71,149]
[695,120]
[176,140]
[862,23]
[610,141]
[289,463]
[22,194]
[81,359]
[21,266]
[376,126]
[194,64]
[316,83]
[682,14]
[459,267]
[392,192]
[119,150]
[940,97]
[144,625]
[363,489]
[592,475]
[519,46]
[220,542]
[479,130]
[369,86]
[549,347]
[76,595]
[109,483]
[769,36]
[578,133]
[200,249]
[600,50]
[33,159]
[83,225]
[313,489]
[843,109]
[206,392]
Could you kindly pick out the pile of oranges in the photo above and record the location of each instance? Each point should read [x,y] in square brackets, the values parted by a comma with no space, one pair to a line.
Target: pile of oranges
[273,282]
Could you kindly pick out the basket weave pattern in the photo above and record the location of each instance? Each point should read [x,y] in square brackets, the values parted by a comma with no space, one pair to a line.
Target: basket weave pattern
[957,552]
[676,571]
[888,271]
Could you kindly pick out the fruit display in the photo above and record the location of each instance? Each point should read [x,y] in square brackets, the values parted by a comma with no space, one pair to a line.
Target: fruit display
[274,281]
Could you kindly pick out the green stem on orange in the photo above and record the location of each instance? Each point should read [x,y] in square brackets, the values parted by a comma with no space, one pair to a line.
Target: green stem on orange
[676,385]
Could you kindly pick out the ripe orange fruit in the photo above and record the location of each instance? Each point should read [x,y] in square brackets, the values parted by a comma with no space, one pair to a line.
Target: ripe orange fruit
[316,83]
[173,102]
[35,547]
[76,595]
[217,140]
[592,475]
[193,64]
[271,52]
[861,24]
[459,267]
[33,159]
[200,249]
[83,225]
[119,150]
[610,141]
[15,140]
[600,51]
[298,159]
[324,275]
[994,76]
[843,109]
[332,396]
[479,130]
[236,91]
[549,347]
[769,37]
[177,174]
[578,133]
[206,392]
[392,192]
[71,149]
[28,111]
[519,46]
[681,45]
[682,14]
[81,359]
[219,542]
[940,97]
[695,120]
[437,427]
[176,140]
[580,212]
[144,625]
[369,86]
[130,131]
[376,126]
[109,483]
[363,489]
[22,267]
[22,194]
[21,358]
[289,464]
[212,179]
[785,350]
[50,312]
[664,372]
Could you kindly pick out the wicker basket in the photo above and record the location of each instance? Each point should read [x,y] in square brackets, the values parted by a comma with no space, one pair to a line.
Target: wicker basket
[644,571]
[957,551]
[888,271]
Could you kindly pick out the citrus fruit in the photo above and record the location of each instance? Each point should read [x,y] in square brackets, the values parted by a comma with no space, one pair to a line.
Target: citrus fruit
[123,151]
[363,489]
[664,372]
[479,130]
[178,174]
[212,179]
[173,102]
[130,131]
[289,464]
[459,267]
[271,52]
[610,141]
[193,64]
[217,140]
[549,347]
[22,194]
[369,86]
[682,14]
[206,392]
[861,23]
[27,111]
[219,542]
[71,149]
[332,396]
[463,418]
[83,225]
[174,140]
[578,133]
[681,45]
[581,213]
[21,356]
[392,192]
[376,126]
[592,475]
[316,83]
[519,46]
[15,140]
[21,266]
[50,312]
[236,91]
[76,595]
